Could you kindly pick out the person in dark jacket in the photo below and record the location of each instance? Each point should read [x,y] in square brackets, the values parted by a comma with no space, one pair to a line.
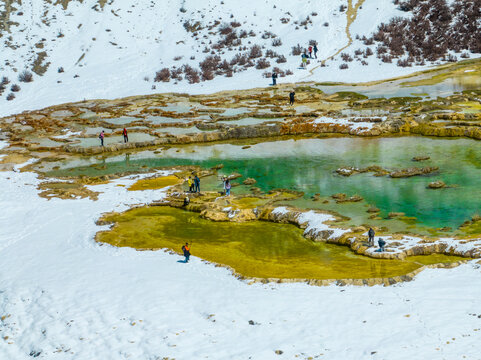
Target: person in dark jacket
[371,234]
[186,251]
[315,51]
[291,97]
[274,78]
[101,137]
[196,184]
[381,244]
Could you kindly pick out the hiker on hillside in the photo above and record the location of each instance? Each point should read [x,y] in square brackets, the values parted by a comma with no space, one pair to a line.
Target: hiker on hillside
[304,60]
[274,78]
[101,137]
[196,184]
[126,136]
[315,51]
[371,234]
[186,251]
[227,187]
[291,97]
[310,52]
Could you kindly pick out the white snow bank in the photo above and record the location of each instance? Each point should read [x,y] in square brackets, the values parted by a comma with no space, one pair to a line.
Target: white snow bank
[66,297]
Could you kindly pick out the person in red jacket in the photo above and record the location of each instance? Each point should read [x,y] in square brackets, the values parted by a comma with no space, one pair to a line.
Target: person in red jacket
[126,136]
[310,52]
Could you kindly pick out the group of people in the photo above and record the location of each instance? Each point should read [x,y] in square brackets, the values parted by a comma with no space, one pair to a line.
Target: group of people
[380,242]
[124,133]
[307,54]
[194,184]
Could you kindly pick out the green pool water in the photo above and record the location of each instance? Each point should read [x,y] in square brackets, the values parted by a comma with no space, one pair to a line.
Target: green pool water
[253,249]
[309,165]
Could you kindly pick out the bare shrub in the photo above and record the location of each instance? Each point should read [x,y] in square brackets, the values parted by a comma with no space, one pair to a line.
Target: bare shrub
[15,88]
[296,50]
[176,74]
[10,97]
[284,20]
[281,59]
[403,63]
[312,42]
[277,42]
[225,29]
[289,72]
[364,63]
[279,72]
[268,35]
[342,8]
[25,76]
[368,51]
[343,66]
[210,63]
[452,58]
[358,52]
[191,75]
[346,57]
[162,75]
[243,34]
[60,70]
[255,52]
[207,74]
[386,59]
[464,55]
[262,64]
[177,58]
[235,24]
[5,81]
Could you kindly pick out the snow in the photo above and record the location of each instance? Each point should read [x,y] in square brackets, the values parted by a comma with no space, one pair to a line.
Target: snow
[114,49]
[66,297]
[315,223]
[364,125]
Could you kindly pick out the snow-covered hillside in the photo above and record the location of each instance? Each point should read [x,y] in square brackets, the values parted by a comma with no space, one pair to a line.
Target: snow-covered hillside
[114,48]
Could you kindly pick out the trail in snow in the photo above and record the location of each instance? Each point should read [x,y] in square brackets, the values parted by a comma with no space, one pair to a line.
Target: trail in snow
[351,14]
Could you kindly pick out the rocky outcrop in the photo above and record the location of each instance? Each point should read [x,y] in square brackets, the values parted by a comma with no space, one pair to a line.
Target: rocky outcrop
[343,198]
[420,158]
[404,173]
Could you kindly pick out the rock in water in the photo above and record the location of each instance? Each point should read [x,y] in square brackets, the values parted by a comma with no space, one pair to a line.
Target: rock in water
[420,158]
[437,184]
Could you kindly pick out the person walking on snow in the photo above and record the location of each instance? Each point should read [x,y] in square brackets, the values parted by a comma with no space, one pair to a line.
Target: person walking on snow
[126,136]
[291,97]
[371,234]
[186,251]
[274,78]
[310,52]
[315,51]
[101,137]
[197,184]
[304,60]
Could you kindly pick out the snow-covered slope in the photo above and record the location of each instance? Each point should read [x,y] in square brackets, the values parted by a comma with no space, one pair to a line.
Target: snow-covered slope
[113,48]
[63,296]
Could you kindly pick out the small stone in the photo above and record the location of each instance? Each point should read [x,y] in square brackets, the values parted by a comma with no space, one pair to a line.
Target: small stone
[251,322]
[373,209]
[279,352]
[246,147]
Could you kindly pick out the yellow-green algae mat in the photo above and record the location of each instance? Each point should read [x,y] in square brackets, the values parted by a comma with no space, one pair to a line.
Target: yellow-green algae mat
[255,249]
